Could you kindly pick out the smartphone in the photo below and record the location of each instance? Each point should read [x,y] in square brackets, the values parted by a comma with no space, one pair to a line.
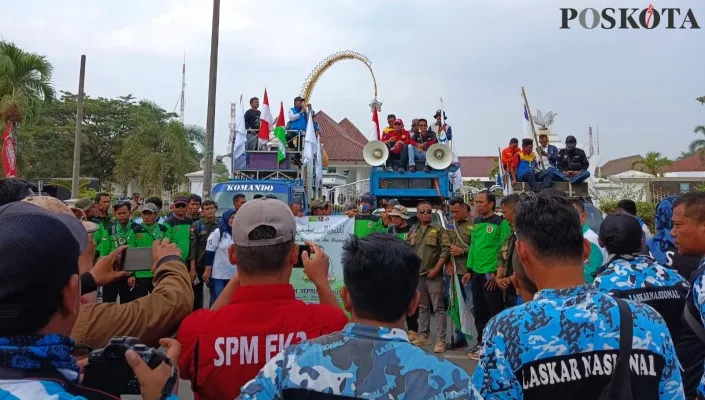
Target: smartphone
[136,259]
[302,247]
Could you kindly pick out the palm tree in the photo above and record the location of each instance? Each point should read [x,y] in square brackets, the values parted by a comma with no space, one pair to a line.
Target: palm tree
[25,83]
[698,145]
[653,163]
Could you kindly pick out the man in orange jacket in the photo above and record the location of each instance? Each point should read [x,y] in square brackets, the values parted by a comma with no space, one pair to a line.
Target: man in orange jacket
[509,158]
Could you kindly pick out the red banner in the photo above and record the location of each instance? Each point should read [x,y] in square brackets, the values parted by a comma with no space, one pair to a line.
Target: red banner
[9,161]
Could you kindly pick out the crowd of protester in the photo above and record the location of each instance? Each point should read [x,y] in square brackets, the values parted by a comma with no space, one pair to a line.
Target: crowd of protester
[540,167]
[551,320]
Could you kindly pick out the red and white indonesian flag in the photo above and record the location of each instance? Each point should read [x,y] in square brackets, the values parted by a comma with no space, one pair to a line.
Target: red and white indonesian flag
[9,159]
[375,132]
[266,121]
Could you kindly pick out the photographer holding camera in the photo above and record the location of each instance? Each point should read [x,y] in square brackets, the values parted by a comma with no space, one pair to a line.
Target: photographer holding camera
[39,303]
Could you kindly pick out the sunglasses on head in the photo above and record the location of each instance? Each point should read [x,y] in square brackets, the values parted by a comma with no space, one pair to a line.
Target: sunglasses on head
[147,213]
[425,211]
[180,205]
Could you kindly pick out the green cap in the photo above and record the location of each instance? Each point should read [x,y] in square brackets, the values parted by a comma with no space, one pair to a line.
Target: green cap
[84,204]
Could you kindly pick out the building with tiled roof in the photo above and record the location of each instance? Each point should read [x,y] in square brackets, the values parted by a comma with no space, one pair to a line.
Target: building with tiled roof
[618,166]
[343,143]
[692,166]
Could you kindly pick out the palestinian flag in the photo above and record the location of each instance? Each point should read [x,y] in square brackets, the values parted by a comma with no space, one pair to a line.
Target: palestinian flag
[280,134]
[459,311]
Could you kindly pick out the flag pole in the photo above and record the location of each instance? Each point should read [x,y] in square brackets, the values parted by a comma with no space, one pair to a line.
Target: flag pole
[539,159]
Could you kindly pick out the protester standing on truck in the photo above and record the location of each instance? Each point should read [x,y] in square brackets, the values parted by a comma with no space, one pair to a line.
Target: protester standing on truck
[489,233]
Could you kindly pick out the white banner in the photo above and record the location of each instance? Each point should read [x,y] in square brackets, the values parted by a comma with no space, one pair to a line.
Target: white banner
[329,233]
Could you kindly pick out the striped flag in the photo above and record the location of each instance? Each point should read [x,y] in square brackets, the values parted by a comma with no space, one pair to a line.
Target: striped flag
[265,121]
[280,134]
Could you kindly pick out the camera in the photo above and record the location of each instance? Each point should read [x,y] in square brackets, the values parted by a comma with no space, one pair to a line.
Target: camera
[107,368]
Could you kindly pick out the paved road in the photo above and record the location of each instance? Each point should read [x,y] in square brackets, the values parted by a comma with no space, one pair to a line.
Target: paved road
[457,357]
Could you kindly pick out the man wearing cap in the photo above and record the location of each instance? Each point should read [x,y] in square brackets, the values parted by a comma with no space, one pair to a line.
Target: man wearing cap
[630,275]
[398,224]
[414,126]
[257,315]
[317,208]
[37,315]
[298,115]
[432,244]
[443,131]
[144,235]
[180,225]
[572,162]
[366,222]
[420,142]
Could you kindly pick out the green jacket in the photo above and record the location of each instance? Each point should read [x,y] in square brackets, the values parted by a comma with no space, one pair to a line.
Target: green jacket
[368,224]
[487,237]
[110,238]
[180,234]
[142,238]
[102,237]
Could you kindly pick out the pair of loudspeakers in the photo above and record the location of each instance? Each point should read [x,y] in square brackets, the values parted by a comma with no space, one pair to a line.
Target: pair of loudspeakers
[438,156]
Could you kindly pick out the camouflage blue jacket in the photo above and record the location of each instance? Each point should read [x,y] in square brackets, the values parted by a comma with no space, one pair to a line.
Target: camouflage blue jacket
[643,280]
[361,361]
[691,350]
[564,345]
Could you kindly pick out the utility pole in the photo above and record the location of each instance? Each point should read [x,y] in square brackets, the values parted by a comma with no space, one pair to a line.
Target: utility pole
[183,88]
[77,139]
[210,117]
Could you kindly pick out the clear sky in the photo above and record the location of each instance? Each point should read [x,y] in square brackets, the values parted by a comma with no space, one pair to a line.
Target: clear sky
[638,86]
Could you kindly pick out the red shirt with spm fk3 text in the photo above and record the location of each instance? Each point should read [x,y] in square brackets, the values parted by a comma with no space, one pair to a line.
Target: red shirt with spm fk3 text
[224,349]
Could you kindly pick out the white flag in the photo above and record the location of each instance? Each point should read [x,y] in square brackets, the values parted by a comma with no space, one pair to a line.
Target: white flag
[319,164]
[310,141]
[528,133]
[240,137]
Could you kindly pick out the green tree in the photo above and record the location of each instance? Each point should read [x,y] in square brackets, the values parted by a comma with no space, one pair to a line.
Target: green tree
[49,138]
[495,169]
[698,145]
[197,136]
[653,163]
[25,84]
[157,153]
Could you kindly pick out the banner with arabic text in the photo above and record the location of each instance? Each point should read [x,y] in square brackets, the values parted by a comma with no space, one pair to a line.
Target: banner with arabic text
[328,233]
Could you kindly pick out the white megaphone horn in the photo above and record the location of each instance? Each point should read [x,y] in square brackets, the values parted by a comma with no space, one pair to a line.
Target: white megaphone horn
[439,156]
[375,153]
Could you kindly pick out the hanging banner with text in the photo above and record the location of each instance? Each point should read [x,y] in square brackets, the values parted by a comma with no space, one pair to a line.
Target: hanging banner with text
[329,233]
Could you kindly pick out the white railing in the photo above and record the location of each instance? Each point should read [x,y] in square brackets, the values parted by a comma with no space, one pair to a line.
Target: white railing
[350,193]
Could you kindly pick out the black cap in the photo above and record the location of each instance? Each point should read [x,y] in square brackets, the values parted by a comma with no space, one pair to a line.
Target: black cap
[39,252]
[621,233]
[298,98]
[570,139]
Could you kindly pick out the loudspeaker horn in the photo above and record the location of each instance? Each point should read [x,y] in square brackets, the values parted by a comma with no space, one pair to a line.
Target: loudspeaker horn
[439,156]
[375,153]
